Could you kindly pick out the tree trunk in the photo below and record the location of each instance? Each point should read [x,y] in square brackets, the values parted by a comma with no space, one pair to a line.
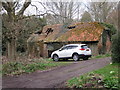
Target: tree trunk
[12,50]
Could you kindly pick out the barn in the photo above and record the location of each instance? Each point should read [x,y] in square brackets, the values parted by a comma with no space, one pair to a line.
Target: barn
[52,37]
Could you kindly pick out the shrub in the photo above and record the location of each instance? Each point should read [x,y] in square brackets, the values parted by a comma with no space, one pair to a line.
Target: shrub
[112,31]
[116,48]
[28,66]
[12,68]
[111,27]
[105,78]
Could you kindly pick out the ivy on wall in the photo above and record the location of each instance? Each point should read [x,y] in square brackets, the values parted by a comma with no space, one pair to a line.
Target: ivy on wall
[109,31]
[116,48]
[112,29]
[104,39]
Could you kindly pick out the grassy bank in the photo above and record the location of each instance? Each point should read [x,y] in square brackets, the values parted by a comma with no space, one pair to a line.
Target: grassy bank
[28,66]
[106,77]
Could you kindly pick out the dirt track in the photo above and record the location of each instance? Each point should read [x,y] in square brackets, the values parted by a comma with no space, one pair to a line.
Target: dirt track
[54,78]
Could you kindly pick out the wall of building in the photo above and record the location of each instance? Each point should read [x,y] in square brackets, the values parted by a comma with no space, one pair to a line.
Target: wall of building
[35,49]
[40,46]
[94,48]
[108,45]
[104,45]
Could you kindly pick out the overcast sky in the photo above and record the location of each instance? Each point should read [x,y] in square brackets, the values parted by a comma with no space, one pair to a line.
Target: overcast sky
[31,10]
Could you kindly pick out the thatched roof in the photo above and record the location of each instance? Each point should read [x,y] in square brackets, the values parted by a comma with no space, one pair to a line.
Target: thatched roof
[83,32]
[87,31]
[57,28]
[49,33]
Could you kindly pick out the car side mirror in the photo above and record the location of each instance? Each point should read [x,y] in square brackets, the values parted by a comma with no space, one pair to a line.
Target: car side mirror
[60,49]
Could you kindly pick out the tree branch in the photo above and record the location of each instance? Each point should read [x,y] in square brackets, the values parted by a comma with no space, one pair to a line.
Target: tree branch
[42,5]
[26,4]
[5,6]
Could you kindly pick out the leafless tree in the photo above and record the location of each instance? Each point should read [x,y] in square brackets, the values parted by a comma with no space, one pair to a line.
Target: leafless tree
[101,10]
[113,18]
[14,11]
[61,12]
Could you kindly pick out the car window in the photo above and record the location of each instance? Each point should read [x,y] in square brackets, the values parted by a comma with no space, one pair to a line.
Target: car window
[72,47]
[63,48]
[69,47]
[84,46]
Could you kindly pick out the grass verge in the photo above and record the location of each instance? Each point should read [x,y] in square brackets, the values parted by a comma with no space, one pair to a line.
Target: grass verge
[106,77]
[101,56]
[19,67]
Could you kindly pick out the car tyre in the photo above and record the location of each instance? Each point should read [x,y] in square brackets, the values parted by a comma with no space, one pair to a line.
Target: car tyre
[75,57]
[85,58]
[55,57]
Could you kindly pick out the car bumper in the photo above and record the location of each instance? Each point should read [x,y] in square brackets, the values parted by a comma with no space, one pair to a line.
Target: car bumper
[82,55]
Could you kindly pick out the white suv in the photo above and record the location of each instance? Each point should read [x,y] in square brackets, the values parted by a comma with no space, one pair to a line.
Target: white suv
[74,51]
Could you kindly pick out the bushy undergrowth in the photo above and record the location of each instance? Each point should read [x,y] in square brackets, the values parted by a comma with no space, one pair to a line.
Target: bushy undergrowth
[19,67]
[111,27]
[106,77]
[116,48]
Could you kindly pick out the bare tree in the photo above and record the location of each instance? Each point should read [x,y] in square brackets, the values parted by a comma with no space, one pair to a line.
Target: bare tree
[101,10]
[61,12]
[14,12]
[113,18]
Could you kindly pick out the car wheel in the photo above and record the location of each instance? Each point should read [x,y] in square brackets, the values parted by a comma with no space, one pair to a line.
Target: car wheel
[75,57]
[55,57]
[85,58]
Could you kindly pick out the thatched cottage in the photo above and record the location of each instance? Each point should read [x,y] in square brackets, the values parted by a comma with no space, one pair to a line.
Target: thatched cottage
[52,37]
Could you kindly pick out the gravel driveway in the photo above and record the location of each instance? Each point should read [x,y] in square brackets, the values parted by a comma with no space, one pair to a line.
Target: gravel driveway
[53,78]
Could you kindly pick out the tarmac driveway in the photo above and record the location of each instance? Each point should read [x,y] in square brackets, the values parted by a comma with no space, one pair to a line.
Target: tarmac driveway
[53,78]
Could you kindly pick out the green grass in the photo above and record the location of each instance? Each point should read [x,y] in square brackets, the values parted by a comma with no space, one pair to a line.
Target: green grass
[102,56]
[19,67]
[31,65]
[106,77]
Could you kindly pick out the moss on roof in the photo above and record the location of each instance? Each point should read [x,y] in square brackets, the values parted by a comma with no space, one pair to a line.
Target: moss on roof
[82,32]
[87,31]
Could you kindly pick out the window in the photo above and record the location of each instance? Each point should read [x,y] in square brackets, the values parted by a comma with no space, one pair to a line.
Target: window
[72,47]
[71,27]
[84,47]
[63,48]
[68,47]
[38,32]
[49,30]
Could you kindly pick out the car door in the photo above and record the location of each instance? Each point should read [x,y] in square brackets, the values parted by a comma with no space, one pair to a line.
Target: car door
[62,52]
[68,52]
